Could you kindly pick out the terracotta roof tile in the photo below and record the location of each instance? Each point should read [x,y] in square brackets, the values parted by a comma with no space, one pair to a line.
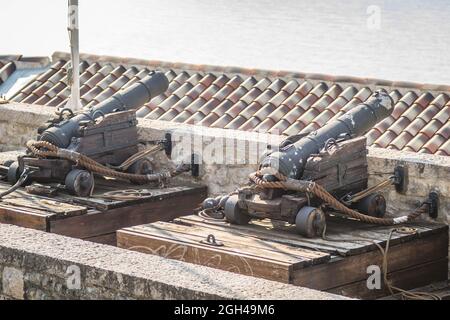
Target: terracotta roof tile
[361,96]
[401,141]
[216,113]
[444,114]
[57,100]
[385,139]
[265,111]
[444,150]
[295,114]
[97,77]
[372,136]
[396,96]
[238,93]
[6,70]
[223,121]
[416,143]
[256,100]
[403,104]
[187,101]
[432,146]
[415,126]
[9,64]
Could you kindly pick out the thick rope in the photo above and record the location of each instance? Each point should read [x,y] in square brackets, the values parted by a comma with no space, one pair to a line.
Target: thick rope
[411,295]
[324,195]
[405,294]
[45,149]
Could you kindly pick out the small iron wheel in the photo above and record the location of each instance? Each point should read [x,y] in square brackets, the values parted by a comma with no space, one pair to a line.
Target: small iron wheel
[310,222]
[373,205]
[234,214]
[143,166]
[80,182]
[13,173]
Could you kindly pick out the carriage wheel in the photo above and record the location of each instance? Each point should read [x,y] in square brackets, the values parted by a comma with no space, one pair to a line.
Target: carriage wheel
[80,182]
[310,222]
[234,214]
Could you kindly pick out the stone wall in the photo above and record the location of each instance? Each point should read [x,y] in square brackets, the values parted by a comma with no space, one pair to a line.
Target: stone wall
[37,265]
[227,157]
[19,123]
[426,173]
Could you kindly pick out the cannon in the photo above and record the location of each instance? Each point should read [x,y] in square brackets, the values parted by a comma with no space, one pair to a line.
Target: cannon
[295,151]
[106,133]
[335,156]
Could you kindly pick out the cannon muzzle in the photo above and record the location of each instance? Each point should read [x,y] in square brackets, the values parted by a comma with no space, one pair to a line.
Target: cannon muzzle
[130,98]
[291,159]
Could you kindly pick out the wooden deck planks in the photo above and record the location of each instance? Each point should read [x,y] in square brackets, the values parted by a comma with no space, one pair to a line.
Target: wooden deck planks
[162,207]
[340,271]
[406,279]
[33,219]
[333,264]
[232,243]
[194,252]
[441,289]
[97,219]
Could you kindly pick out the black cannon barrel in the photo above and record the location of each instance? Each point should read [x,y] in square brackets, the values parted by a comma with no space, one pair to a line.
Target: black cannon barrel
[130,98]
[291,159]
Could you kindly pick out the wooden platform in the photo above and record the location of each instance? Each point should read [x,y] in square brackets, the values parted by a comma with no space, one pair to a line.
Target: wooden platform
[276,253]
[97,219]
[439,289]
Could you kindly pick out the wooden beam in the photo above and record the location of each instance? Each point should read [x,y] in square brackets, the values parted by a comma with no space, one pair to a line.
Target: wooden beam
[108,239]
[27,218]
[341,271]
[405,279]
[97,223]
[207,256]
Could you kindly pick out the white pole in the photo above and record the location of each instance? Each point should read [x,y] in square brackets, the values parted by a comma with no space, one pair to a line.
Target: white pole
[75,55]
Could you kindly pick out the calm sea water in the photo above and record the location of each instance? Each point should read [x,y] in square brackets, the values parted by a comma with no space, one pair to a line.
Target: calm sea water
[410,40]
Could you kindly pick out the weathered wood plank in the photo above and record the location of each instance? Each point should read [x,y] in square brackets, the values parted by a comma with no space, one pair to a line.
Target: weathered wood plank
[441,289]
[47,205]
[349,150]
[102,203]
[162,208]
[341,271]
[339,167]
[198,254]
[32,219]
[108,239]
[276,244]
[252,246]
[406,279]
[362,235]
[60,215]
[275,234]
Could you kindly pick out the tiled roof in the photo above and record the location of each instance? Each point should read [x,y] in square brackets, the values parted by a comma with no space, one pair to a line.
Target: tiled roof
[7,67]
[256,100]
[9,64]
